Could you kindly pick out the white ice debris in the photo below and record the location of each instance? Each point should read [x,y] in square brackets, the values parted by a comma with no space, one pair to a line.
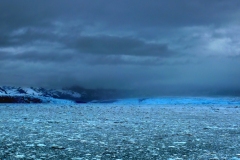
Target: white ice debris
[91,131]
[235,158]
[77,158]
[179,143]
[20,156]
[41,145]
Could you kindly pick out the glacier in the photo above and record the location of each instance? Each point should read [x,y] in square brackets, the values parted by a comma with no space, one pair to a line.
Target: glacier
[176,101]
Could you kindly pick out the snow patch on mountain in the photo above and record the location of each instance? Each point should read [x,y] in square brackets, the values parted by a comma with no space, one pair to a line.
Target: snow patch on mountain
[8,90]
[31,91]
[27,94]
[60,92]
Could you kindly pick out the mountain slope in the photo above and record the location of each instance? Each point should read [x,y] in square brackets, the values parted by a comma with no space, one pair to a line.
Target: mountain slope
[9,94]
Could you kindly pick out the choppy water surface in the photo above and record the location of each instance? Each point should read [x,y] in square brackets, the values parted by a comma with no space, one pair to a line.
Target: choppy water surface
[119,132]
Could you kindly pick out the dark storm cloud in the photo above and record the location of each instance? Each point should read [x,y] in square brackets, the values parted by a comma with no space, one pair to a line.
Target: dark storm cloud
[152,13]
[4,41]
[170,45]
[22,36]
[37,57]
[110,45]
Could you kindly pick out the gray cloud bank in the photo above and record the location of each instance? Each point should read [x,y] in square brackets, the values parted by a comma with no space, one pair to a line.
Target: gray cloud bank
[165,47]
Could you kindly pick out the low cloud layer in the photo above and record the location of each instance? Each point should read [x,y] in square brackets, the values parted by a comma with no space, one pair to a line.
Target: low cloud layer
[165,47]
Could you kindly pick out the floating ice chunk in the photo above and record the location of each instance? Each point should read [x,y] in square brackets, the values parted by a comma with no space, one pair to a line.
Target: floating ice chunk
[41,145]
[20,156]
[69,149]
[98,156]
[77,158]
[32,156]
[30,145]
[179,143]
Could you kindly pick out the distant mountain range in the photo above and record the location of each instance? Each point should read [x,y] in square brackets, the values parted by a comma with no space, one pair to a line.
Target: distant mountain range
[10,94]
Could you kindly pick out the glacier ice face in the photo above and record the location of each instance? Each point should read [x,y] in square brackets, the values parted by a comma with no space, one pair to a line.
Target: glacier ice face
[181,101]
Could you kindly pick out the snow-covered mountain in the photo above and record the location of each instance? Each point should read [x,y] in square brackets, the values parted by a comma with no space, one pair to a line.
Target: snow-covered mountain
[37,95]
[9,94]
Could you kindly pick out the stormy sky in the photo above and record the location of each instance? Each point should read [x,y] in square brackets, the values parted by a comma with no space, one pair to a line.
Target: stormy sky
[158,46]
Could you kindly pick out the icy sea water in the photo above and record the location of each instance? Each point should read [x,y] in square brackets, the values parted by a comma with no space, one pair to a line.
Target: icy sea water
[81,132]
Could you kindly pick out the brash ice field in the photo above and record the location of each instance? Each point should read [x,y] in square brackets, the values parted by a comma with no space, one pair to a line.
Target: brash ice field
[110,131]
